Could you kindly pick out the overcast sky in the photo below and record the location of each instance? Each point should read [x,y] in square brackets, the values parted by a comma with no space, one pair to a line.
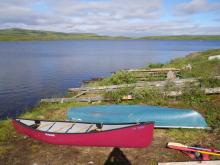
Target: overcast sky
[114,17]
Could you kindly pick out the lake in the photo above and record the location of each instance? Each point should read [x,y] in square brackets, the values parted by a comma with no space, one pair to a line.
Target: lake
[33,70]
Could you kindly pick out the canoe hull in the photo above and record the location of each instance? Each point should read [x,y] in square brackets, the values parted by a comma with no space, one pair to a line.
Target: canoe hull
[137,136]
[163,117]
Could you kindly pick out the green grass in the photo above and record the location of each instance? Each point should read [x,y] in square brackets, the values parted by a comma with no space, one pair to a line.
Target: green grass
[121,77]
[5,130]
[187,136]
[201,66]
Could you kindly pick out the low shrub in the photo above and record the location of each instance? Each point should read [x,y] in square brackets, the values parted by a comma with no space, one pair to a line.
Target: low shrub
[149,96]
[157,65]
[117,94]
[121,77]
[193,95]
[210,82]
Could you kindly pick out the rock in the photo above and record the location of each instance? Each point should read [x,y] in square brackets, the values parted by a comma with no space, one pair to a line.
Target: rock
[127,97]
[171,75]
[216,57]
[212,90]
[187,67]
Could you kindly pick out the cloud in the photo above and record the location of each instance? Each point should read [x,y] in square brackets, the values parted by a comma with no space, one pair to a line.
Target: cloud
[113,8]
[105,17]
[197,6]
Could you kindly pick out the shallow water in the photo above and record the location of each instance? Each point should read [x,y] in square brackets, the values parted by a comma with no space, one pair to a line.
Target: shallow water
[33,70]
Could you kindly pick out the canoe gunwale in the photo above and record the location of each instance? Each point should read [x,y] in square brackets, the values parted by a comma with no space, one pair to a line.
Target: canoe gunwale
[114,129]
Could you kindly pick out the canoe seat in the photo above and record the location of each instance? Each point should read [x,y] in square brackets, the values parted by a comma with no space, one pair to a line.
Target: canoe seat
[60,127]
[80,128]
[91,127]
[26,122]
[44,126]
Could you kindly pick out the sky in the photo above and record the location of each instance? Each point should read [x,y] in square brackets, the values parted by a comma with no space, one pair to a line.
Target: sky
[114,17]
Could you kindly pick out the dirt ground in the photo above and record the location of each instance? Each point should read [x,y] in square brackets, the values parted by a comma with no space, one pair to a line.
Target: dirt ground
[32,152]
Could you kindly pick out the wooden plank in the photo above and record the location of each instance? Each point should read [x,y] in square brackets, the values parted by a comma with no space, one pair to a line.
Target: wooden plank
[154,70]
[100,88]
[173,93]
[159,84]
[212,90]
[214,162]
[207,91]
[73,99]
[80,94]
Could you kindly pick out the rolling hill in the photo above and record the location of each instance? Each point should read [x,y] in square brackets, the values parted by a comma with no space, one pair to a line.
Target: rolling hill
[15,34]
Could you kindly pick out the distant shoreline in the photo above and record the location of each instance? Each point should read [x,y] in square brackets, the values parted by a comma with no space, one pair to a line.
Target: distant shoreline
[15,34]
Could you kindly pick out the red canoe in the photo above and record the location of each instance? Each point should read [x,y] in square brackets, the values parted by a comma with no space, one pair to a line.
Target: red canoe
[129,135]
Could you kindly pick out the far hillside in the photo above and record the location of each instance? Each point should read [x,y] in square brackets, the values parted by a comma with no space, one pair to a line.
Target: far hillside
[15,34]
[183,37]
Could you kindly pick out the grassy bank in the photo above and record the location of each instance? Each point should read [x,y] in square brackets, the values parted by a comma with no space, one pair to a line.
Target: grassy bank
[14,145]
[192,97]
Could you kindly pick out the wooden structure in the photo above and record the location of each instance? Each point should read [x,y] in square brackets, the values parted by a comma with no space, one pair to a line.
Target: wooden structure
[155,70]
[158,84]
[212,90]
[145,74]
[207,91]
[177,84]
[73,99]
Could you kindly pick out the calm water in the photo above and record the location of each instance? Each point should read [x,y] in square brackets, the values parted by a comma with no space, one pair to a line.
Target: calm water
[30,71]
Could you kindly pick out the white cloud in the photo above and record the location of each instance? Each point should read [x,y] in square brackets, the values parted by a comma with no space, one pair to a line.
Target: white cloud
[197,6]
[107,17]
